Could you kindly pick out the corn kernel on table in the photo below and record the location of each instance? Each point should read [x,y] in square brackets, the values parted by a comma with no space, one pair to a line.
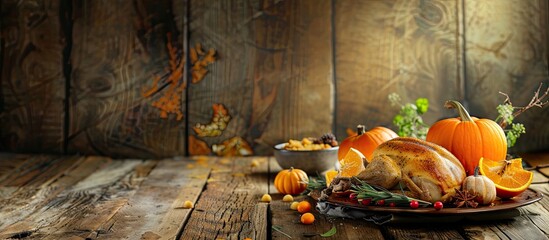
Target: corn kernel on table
[93,197]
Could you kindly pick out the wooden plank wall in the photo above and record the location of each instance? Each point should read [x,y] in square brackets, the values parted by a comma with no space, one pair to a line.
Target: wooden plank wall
[411,48]
[75,73]
[274,73]
[118,48]
[32,85]
[511,61]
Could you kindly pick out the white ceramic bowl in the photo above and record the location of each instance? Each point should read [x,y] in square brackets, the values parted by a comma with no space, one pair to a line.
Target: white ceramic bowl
[313,162]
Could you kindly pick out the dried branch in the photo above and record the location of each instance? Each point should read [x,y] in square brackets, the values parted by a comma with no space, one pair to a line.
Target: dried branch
[536,101]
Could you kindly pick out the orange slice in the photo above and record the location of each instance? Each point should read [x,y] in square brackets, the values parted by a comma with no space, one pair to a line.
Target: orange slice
[330,175]
[352,164]
[508,175]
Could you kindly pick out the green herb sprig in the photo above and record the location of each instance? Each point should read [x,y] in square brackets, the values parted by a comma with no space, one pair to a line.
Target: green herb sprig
[315,183]
[365,191]
[507,114]
[409,120]
[512,130]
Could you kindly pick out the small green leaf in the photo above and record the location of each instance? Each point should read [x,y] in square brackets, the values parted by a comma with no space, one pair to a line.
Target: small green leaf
[422,105]
[329,233]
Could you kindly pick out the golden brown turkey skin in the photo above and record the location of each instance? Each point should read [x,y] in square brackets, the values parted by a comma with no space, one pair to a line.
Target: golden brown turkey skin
[428,170]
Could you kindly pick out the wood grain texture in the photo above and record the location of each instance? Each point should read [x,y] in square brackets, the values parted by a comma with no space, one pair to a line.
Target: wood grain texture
[506,50]
[229,207]
[98,198]
[118,49]
[25,214]
[537,159]
[411,48]
[81,211]
[274,71]
[81,208]
[32,83]
[415,231]
[156,209]
[11,164]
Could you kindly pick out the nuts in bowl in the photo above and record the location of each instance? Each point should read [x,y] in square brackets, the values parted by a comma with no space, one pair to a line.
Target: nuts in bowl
[312,155]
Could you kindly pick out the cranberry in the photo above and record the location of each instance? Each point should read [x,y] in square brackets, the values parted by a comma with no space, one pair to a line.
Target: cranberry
[353,196]
[392,204]
[380,202]
[438,205]
[366,201]
[414,204]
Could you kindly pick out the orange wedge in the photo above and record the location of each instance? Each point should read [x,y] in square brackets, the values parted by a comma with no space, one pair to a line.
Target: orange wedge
[352,164]
[508,175]
[330,175]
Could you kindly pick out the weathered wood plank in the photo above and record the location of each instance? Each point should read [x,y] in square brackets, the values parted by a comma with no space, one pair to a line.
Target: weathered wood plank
[32,83]
[537,159]
[81,210]
[155,210]
[119,48]
[540,210]
[506,50]
[519,228]
[274,168]
[230,207]
[29,183]
[418,232]
[113,199]
[26,217]
[39,170]
[73,203]
[81,207]
[273,73]
[11,163]
[411,48]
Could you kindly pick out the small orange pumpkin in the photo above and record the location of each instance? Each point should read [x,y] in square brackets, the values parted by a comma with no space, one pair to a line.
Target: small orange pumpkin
[365,141]
[291,181]
[469,138]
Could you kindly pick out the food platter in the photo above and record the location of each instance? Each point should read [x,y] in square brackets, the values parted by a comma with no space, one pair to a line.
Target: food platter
[527,197]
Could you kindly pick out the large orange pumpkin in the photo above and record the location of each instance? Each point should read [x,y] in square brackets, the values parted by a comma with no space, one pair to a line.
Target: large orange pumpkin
[365,141]
[469,138]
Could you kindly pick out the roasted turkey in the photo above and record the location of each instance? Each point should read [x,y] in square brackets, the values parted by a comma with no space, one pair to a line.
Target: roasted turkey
[429,171]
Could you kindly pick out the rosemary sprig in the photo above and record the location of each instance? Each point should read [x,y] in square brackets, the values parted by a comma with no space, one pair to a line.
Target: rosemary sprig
[365,191]
[315,184]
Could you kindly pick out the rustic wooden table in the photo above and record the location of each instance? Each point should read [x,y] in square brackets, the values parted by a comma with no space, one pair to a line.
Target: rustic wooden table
[74,197]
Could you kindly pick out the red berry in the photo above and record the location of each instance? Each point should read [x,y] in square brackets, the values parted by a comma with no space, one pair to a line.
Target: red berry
[353,196]
[438,205]
[414,204]
[392,204]
[380,202]
[366,201]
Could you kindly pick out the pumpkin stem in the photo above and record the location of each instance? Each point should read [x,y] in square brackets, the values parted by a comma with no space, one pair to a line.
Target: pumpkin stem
[360,129]
[463,114]
[291,169]
[477,171]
